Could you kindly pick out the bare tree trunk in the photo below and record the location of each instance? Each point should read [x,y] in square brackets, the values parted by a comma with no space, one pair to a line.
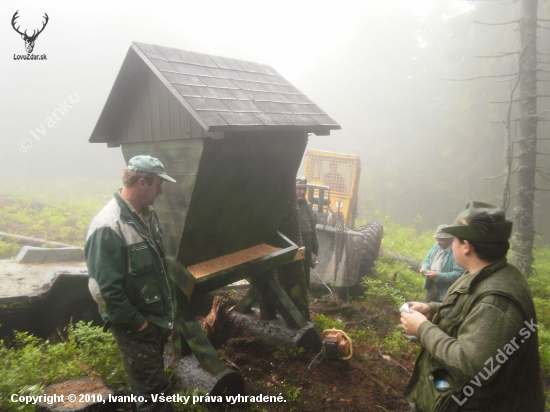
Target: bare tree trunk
[522,249]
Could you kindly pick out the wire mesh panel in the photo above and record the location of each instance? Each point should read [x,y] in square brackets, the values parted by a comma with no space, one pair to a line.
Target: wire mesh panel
[336,172]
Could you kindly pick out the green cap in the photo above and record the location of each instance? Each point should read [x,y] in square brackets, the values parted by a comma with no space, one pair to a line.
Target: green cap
[301,182]
[481,222]
[148,164]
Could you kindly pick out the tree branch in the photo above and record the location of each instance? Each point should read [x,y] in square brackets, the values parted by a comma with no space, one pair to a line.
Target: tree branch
[498,24]
[506,80]
[541,175]
[481,77]
[504,121]
[502,54]
[543,27]
[499,176]
[504,101]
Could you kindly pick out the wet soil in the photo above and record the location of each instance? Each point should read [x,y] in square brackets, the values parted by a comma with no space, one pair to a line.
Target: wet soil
[369,381]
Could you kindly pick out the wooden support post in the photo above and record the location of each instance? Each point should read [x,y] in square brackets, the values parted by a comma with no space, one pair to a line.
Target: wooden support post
[199,344]
[181,348]
[285,306]
[268,309]
[245,304]
[273,296]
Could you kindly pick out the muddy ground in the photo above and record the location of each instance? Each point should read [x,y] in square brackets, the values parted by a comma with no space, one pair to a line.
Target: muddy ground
[370,381]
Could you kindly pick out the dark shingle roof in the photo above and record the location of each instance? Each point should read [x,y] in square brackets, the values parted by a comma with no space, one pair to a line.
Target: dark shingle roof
[225,94]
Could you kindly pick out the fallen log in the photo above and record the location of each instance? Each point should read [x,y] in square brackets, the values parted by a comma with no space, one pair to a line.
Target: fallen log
[30,241]
[411,263]
[277,332]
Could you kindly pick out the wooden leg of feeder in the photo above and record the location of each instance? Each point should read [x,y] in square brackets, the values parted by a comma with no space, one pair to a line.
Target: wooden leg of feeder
[245,304]
[268,308]
[285,306]
[199,344]
[181,348]
[271,293]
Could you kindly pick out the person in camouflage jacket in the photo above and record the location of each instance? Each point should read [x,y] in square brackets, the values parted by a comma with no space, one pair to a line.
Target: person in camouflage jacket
[480,346]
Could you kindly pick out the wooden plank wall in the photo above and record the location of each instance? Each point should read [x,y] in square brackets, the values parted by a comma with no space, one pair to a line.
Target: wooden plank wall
[240,193]
[181,161]
[155,114]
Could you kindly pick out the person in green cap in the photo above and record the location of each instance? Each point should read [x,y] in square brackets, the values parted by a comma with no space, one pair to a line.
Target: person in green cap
[128,279]
[480,345]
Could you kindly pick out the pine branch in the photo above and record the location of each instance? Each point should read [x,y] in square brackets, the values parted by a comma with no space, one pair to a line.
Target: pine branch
[481,77]
[505,101]
[499,176]
[503,121]
[497,24]
[502,54]
[544,177]
[507,80]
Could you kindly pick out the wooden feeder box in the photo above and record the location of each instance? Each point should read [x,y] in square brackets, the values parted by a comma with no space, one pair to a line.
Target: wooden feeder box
[232,133]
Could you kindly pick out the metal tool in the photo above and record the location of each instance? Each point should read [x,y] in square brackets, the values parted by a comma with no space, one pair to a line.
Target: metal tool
[336,346]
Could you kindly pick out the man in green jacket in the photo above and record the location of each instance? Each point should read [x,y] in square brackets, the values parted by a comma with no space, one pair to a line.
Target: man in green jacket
[480,345]
[439,267]
[128,279]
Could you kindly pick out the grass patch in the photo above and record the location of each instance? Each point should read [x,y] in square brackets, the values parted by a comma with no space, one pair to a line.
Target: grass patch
[31,363]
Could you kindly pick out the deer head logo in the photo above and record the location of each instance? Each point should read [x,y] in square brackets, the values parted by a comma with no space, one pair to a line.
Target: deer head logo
[29,40]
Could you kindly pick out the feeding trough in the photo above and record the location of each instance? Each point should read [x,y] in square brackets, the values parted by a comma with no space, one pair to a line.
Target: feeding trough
[42,290]
[232,133]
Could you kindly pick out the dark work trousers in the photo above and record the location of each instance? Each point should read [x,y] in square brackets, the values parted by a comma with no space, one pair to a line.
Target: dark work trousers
[432,292]
[307,265]
[142,357]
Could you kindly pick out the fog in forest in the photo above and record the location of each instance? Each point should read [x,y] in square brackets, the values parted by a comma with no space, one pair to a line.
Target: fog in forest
[388,72]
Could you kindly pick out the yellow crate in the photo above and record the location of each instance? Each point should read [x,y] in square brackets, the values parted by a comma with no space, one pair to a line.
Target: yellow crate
[341,172]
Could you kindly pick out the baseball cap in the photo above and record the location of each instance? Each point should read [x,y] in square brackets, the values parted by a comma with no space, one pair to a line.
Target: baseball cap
[148,164]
